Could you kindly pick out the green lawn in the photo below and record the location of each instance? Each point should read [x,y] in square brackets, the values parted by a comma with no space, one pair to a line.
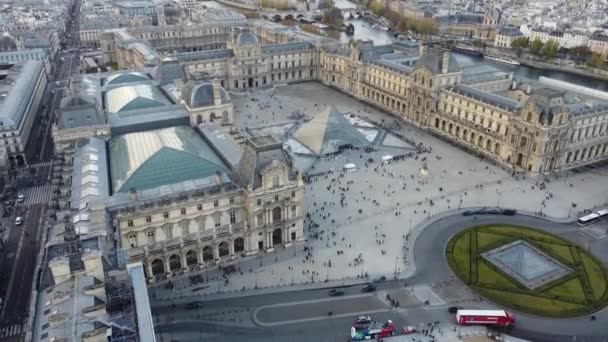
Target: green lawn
[488,241]
[461,257]
[489,277]
[596,275]
[570,290]
[561,298]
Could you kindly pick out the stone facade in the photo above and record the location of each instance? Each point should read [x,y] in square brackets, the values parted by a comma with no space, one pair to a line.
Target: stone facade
[520,128]
[211,228]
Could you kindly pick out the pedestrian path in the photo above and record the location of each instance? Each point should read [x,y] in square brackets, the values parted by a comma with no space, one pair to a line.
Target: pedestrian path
[11,330]
[36,195]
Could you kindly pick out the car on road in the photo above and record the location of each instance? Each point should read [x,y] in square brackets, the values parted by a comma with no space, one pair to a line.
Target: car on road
[18,220]
[380,280]
[335,293]
[20,197]
[453,309]
[194,305]
[509,212]
[468,213]
[369,288]
[363,320]
[493,212]
[229,269]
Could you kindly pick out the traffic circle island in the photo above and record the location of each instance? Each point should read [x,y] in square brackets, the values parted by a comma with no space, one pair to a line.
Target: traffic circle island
[529,270]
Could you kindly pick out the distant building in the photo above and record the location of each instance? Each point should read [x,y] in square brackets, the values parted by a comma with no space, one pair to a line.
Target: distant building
[598,43]
[505,36]
[21,87]
[563,39]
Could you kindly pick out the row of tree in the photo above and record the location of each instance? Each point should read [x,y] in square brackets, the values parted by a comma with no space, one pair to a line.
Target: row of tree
[404,24]
[550,49]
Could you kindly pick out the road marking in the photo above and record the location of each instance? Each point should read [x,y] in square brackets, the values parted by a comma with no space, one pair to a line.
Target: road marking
[318,318]
[312,319]
[321,300]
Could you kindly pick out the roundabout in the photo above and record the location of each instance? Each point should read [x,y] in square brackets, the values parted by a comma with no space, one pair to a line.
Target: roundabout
[528,270]
[432,267]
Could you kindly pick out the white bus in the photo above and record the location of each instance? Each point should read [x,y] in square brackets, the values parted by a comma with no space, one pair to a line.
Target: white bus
[588,219]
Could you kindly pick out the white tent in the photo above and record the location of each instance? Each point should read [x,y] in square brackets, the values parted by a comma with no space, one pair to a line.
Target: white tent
[350,167]
[387,158]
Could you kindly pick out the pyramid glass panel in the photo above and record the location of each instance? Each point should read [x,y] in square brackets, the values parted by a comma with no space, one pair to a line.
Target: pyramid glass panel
[526,264]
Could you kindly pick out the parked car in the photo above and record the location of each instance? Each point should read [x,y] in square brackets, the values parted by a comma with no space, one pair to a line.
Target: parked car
[369,288]
[493,211]
[468,213]
[20,197]
[380,280]
[18,221]
[194,305]
[335,293]
[509,212]
[229,269]
[453,309]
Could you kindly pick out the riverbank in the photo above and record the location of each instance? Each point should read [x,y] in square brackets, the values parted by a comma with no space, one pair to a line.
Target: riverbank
[239,5]
[596,73]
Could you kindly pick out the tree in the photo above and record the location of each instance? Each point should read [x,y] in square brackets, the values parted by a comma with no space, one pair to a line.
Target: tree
[580,53]
[550,49]
[423,26]
[333,17]
[377,8]
[327,3]
[519,44]
[595,60]
[536,46]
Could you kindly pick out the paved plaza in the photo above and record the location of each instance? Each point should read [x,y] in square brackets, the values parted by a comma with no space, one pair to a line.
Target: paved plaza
[359,223]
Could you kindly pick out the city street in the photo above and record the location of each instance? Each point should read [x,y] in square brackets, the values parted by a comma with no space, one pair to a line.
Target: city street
[305,313]
[22,248]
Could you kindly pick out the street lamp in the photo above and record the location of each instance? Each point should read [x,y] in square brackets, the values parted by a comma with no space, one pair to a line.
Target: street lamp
[396,262]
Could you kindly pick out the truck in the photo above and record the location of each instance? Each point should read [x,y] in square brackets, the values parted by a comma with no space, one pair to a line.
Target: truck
[499,318]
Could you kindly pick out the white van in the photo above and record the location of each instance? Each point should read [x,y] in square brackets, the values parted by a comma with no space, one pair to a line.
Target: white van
[350,167]
[18,221]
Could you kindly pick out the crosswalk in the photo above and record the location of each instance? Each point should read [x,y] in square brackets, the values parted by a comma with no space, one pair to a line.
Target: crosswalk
[36,195]
[11,330]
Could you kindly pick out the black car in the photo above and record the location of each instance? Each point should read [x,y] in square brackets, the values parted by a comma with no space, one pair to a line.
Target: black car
[380,280]
[493,211]
[335,293]
[229,269]
[453,309]
[369,288]
[468,213]
[509,212]
[194,305]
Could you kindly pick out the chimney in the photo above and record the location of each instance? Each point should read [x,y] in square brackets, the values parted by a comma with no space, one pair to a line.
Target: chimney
[514,85]
[93,264]
[528,89]
[60,268]
[445,62]
[421,49]
[217,94]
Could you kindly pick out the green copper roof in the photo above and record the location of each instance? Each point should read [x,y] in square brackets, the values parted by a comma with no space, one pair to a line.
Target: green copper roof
[145,160]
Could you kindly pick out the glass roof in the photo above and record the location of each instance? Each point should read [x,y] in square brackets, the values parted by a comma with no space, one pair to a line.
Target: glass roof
[134,97]
[150,159]
[127,77]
